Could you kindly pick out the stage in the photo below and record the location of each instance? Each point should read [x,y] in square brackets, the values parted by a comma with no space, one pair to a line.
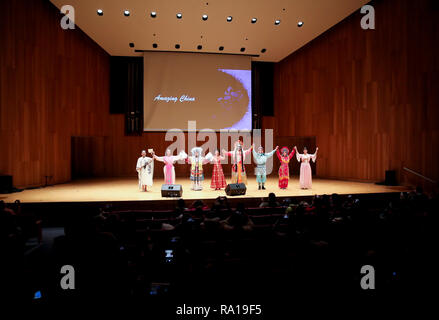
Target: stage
[126,190]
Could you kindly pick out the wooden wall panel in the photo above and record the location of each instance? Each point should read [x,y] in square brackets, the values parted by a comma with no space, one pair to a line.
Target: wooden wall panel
[371,97]
[54,84]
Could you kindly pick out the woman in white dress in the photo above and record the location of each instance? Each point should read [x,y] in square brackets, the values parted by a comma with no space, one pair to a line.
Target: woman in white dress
[304,158]
[145,170]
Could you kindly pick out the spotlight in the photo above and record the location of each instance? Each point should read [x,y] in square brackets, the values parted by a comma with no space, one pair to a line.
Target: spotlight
[242,49]
[179,15]
[263,50]
[100,12]
[199,47]
[277,22]
[254,20]
[300,23]
[153,14]
[177,46]
[221,48]
[154,45]
[204,17]
[126,13]
[229,19]
[131,45]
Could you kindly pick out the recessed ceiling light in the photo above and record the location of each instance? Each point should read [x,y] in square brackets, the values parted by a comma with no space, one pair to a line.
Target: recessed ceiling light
[300,23]
[229,19]
[177,46]
[154,45]
[221,48]
[199,47]
[179,15]
[242,49]
[254,20]
[263,50]
[204,17]
[100,12]
[153,14]
[277,22]
[126,13]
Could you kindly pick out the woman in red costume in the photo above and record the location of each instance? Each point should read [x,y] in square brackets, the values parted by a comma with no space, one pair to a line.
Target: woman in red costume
[218,181]
[284,172]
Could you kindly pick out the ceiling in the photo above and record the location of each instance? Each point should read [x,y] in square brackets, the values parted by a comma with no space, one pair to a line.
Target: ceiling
[113,31]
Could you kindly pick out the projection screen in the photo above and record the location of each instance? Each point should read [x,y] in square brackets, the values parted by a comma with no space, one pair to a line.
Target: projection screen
[212,89]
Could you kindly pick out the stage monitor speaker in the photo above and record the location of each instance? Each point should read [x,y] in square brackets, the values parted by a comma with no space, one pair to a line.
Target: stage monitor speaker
[5,184]
[236,189]
[390,178]
[172,190]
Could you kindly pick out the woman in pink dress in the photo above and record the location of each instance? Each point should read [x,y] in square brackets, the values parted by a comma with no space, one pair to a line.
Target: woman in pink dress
[305,168]
[169,161]
[218,181]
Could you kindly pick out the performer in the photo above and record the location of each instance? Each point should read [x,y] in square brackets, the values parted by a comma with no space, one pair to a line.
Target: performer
[238,157]
[145,169]
[284,171]
[196,161]
[218,180]
[261,169]
[169,160]
[305,180]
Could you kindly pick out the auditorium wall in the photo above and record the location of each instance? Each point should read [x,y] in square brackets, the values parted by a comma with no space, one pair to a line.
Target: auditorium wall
[370,97]
[54,84]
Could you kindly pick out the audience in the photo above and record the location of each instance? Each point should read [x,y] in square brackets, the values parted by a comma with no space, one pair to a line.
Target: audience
[238,220]
[321,239]
[271,202]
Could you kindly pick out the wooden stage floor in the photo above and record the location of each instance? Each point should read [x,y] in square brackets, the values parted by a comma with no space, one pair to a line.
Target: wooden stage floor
[126,189]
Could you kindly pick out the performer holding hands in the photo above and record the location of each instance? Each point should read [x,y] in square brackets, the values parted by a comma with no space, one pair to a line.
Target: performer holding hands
[284,172]
[145,169]
[238,157]
[196,161]
[169,160]
[305,180]
[261,167]
[218,180]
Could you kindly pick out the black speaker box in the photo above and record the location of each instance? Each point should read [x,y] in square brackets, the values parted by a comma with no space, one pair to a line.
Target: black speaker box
[390,178]
[172,190]
[5,183]
[236,189]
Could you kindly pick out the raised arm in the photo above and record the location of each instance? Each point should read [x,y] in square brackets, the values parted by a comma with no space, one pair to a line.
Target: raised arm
[246,152]
[278,154]
[208,158]
[270,154]
[227,153]
[158,158]
[291,154]
[314,156]
[182,155]
[298,155]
